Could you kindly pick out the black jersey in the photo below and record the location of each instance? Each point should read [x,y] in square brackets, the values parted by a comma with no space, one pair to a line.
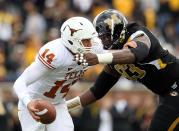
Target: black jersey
[159,71]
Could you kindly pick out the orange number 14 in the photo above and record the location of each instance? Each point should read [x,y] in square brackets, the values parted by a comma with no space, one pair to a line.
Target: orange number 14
[58,84]
[49,56]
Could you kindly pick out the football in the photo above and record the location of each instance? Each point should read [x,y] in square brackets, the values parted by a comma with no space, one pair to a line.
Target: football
[47,111]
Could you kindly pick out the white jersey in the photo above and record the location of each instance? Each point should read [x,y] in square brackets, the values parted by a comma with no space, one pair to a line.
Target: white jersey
[65,72]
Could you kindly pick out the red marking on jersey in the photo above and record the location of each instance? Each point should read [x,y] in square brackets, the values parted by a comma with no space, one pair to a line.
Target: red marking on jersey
[70,69]
[53,90]
[45,52]
[59,84]
[45,63]
[74,81]
[49,56]
[74,75]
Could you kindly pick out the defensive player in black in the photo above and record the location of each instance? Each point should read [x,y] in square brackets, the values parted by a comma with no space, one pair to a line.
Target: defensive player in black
[137,55]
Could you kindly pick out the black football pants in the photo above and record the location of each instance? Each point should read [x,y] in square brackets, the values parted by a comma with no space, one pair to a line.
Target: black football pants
[166,117]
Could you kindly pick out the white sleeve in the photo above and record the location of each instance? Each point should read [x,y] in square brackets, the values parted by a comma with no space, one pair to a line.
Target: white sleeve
[31,74]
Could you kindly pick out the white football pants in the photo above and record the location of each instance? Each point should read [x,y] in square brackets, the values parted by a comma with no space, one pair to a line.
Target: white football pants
[63,121]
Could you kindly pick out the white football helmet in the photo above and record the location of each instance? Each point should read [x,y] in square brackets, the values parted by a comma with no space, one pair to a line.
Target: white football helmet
[74,30]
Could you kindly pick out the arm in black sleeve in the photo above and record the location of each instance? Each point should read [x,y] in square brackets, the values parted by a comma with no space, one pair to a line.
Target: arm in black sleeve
[103,84]
[140,52]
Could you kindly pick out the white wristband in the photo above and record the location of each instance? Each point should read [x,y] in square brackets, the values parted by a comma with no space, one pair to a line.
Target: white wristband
[74,103]
[105,58]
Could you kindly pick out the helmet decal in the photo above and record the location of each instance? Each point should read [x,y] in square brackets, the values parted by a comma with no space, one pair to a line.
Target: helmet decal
[76,29]
[114,20]
[71,29]
[111,27]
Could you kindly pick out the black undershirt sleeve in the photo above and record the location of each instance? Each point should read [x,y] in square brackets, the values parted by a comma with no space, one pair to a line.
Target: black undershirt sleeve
[140,52]
[103,84]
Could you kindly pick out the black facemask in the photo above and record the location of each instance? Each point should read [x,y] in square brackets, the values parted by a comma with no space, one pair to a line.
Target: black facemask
[108,44]
[106,40]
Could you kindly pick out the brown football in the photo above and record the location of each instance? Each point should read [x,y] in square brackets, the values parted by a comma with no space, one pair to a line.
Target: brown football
[47,111]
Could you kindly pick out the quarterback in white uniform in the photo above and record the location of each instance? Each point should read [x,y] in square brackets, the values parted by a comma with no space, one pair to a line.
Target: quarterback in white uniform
[52,74]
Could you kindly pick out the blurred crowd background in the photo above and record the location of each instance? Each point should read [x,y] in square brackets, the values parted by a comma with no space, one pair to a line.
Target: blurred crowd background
[26,25]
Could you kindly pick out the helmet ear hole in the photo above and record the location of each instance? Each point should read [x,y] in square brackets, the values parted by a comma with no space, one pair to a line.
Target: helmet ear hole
[70,42]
